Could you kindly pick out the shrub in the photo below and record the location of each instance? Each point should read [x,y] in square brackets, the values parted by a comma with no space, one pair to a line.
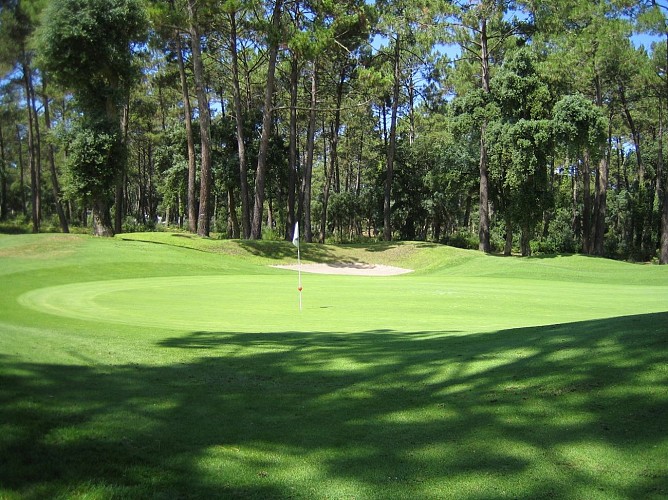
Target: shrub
[462,239]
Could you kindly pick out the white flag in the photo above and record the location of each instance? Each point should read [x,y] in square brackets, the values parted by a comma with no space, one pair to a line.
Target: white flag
[295,237]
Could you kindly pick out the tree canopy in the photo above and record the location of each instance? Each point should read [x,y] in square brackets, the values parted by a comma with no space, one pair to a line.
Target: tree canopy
[508,126]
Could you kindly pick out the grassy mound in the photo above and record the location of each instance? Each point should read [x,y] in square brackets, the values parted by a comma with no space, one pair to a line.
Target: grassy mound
[159,365]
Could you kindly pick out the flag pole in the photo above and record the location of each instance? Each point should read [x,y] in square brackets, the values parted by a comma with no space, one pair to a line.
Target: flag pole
[299,260]
[295,242]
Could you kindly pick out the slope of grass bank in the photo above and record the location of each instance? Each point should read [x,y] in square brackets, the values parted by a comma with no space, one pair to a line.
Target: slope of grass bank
[426,259]
[153,365]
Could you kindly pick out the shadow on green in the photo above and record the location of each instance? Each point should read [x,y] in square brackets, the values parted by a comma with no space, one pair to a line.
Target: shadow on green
[512,413]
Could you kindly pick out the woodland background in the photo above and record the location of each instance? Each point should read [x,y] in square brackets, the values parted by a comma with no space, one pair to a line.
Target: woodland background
[509,126]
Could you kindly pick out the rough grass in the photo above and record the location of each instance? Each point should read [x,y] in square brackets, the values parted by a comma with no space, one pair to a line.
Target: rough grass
[165,366]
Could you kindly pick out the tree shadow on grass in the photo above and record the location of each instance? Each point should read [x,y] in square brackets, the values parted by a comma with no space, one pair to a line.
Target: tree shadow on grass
[569,411]
[382,246]
[281,250]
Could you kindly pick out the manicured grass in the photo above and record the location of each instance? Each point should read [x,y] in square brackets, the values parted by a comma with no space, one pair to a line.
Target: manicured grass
[157,365]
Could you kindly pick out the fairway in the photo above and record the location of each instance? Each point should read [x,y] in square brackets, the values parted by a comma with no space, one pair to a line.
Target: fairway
[158,365]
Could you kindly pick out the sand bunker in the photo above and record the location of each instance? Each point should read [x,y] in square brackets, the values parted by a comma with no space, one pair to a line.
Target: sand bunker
[349,268]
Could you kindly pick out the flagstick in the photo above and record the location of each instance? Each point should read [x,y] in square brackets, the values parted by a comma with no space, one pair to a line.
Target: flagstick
[295,242]
[299,260]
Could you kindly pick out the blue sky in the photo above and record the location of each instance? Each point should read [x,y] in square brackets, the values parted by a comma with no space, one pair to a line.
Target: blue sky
[645,40]
[638,40]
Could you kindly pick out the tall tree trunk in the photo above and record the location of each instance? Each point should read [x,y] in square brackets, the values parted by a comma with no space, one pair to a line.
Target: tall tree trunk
[334,158]
[662,175]
[484,244]
[639,216]
[141,195]
[292,155]
[392,146]
[101,218]
[663,199]
[24,209]
[203,222]
[121,176]
[358,171]
[267,114]
[310,150]
[635,134]
[483,230]
[55,187]
[586,204]
[328,171]
[33,149]
[190,139]
[232,221]
[508,247]
[468,205]
[576,224]
[38,149]
[152,204]
[270,212]
[102,200]
[411,110]
[663,251]
[239,118]
[600,200]
[3,177]
[525,241]
[601,188]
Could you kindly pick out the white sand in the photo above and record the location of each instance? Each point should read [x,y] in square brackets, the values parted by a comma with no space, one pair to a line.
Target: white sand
[349,268]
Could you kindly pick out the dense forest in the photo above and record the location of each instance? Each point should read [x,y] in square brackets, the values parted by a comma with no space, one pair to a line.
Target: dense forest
[528,126]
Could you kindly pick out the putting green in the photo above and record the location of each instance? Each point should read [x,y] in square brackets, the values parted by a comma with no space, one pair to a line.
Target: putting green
[268,303]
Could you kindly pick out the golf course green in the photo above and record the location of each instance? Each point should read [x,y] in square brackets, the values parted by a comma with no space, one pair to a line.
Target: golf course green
[159,365]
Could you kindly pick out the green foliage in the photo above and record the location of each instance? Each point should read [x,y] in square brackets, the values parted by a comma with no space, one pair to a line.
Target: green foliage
[270,234]
[520,90]
[520,144]
[132,225]
[447,171]
[95,151]
[462,239]
[472,108]
[343,210]
[172,164]
[86,46]
[579,125]
[560,238]
[225,153]
[12,33]
[571,61]
[620,215]
[18,225]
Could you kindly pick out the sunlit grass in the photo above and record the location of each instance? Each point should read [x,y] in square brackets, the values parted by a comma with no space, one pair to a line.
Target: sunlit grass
[136,369]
